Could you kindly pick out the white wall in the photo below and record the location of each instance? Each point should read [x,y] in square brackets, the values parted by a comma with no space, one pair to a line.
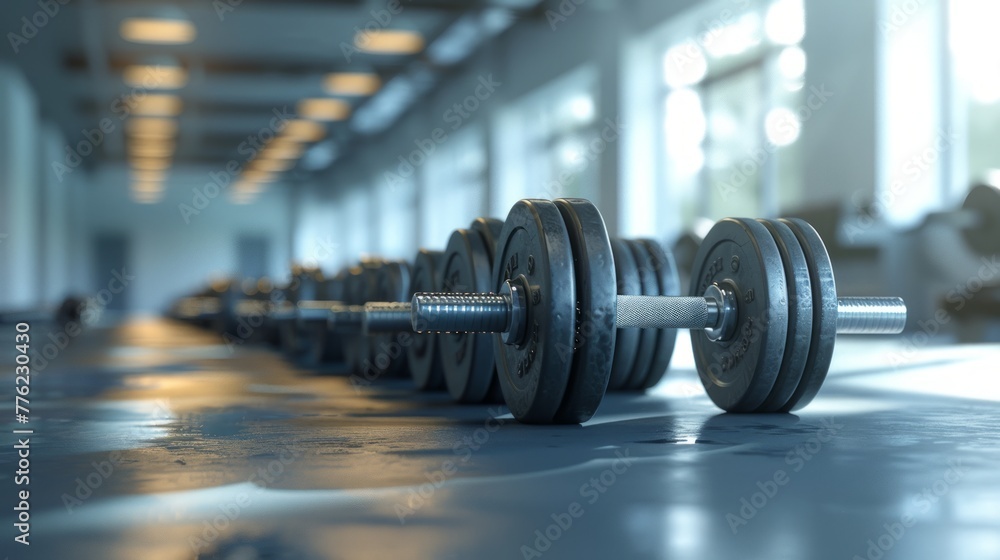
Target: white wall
[56,225]
[170,258]
[20,211]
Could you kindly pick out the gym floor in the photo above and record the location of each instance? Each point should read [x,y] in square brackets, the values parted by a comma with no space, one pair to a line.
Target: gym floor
[153,440]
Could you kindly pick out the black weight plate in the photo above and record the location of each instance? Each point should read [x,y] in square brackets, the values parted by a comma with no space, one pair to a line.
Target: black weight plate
[490,228]
[824,322]
[626,340]
[534,248]
[424,353]
[740,255]
[800,314]
[984,237]
[359,286]
[370,292]
[389,353]
[593,348]
[647,337]
[670,285]
[467,357]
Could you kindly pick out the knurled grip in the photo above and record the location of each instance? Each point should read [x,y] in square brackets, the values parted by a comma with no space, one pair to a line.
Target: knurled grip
[482,313]
[655,312]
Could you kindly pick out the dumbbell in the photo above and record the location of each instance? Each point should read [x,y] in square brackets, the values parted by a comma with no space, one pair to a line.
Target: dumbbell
[423,352]
[301,287]
[462,362]
[322,346]
[765,320]
[641,356]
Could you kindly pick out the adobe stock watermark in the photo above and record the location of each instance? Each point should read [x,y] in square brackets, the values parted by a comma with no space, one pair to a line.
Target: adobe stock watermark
[958,297]
[786,127]
[899,16]
[563,520]
[121,107]
[231,510]
[768,489]
[914,168]
[562,12]
[463,450]
[33,24]
[380,20]
[455,116]
[220,180]
[608,135]
[223,8]
[929,496]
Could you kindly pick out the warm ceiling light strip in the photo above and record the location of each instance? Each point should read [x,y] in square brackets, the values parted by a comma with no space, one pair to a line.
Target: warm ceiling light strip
[258,176]
[163,149]
[151,127]
[282,150]
[273,165]
[389,41]
[352,83]
[155,77]
[158,106]
[324,109]
[303,131]
[154,164]
[158,31]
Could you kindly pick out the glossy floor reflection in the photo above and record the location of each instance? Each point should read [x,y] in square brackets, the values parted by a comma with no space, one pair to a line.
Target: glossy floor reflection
[157,441]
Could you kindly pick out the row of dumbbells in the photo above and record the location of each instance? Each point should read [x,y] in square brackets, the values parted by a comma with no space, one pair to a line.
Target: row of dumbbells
[547,312]
[324,319]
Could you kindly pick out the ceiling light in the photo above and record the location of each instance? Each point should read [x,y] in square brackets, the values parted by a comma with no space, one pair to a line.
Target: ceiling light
[303,131]
[151,149]
[151,127]
[258,176]
[389,41]
[158,105]
[352,83]
[282,150]
[155,77]
[158,31]
[151,163]
[324,109]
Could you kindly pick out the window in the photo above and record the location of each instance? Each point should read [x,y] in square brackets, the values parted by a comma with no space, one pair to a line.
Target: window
[976,63]
[454,186]
[548,143]
[397,216]
[731,76]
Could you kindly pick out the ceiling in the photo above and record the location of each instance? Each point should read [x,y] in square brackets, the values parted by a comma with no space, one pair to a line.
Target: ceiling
[248,59]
